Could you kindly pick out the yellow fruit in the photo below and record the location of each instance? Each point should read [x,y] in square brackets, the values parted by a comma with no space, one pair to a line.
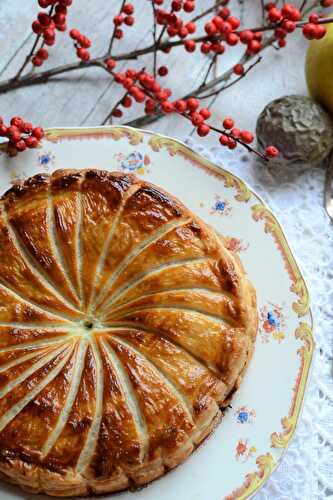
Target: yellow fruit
[319,69]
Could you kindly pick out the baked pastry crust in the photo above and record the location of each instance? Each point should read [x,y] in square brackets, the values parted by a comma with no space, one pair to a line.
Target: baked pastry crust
[125,325]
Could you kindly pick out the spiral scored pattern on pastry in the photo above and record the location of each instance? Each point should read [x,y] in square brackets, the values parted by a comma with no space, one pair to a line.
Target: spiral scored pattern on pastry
[124,324]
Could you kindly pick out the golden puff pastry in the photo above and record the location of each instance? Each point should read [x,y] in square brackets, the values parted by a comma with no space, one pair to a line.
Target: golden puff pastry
[125,325]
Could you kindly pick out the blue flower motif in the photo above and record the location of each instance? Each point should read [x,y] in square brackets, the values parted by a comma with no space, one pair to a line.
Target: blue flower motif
[133,161]
[243,417]
[44,159]
[272,319]
[219,205]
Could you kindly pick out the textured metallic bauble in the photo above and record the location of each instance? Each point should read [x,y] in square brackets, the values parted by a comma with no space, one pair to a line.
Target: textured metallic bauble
[298,127]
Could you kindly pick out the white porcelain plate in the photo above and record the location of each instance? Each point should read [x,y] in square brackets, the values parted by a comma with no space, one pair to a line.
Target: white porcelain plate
[246,447]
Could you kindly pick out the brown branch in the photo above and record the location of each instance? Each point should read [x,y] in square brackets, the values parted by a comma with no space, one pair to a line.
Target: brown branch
[115,28]
[212,62]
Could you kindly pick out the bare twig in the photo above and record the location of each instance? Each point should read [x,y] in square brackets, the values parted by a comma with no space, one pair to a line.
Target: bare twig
[211,64]
[227,86]
[115,28]
[154,37]
[207,11]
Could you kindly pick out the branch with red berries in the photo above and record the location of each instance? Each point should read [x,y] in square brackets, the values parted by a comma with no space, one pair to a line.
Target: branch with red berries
[175,28]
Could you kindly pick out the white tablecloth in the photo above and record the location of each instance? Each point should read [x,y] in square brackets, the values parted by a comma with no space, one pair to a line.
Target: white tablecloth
[296,197]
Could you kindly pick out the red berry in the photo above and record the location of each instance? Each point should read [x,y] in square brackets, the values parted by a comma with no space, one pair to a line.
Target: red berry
[232,144]
[59,18]
[246,136]
[180,106]
[17,122]
[320,31]
[161,96]
[27,127]
[44,18]
[117,20]
[196,118]
[61,9]
[246,36]
[235,132]
[167,106]
[228,123]
[38,132]
[49,34]
[127,102]
[224,140]
[234,21]
[192,104]
[271,151]
[119,33]
[210,29]
[326,3]
[274,15]
[128,9]
[37,61]
[254,47]
[84,42]
[150,105]
[162,71]
[257,36]
[74,33]
[13,133]
[176,5]
[119,77]
[232,39]
[117,113]
[3,130]
[110,64]
[309,31]
[37,27]
[288,26]
[128,83]
[42,53]
[138,95]
[314,18]
[287,10]
[191,27]
[190,45]
[224,13]
[172,31]
[203,130]
[129,20]
[218,21]
[182,33]
[205,113]
[205,47]
[43,3]
[280,33]
[282,43]
[226,28]
[189,6]
[20,145]
[239,69]
[83,54]
[31,142]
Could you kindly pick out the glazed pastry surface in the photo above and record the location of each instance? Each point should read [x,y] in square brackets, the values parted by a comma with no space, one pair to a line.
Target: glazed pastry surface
[125,324]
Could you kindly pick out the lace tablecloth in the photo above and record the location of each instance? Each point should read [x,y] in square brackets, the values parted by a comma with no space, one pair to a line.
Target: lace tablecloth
[296,197]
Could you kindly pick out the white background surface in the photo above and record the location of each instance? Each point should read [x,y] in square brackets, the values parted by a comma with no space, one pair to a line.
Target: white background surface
[85,99]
